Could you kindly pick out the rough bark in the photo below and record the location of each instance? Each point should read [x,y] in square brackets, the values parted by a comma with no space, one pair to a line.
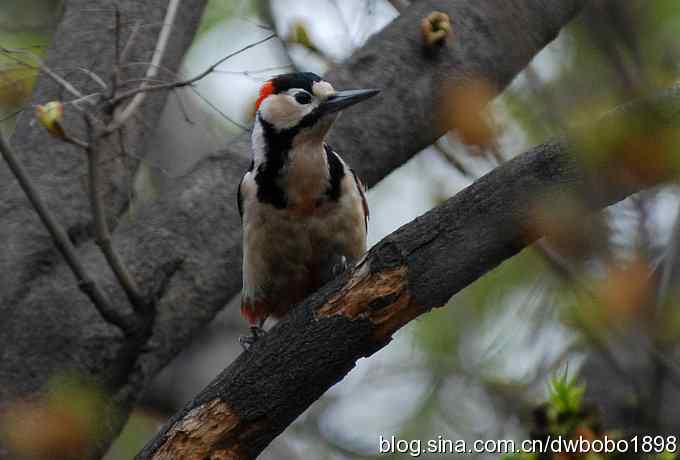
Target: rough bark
[417,268]
[186,246]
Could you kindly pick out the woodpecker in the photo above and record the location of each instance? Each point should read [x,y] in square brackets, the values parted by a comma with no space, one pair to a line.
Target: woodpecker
[303,209]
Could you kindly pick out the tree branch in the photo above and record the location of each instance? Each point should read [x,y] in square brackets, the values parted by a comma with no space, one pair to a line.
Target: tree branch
[63,243]
[171,245]
[101,227]
[415,269]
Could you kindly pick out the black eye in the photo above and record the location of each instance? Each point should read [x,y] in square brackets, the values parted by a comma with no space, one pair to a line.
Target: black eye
[303,98]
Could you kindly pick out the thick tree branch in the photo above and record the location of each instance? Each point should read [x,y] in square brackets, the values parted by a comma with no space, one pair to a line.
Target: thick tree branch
[186,247]
[417,268]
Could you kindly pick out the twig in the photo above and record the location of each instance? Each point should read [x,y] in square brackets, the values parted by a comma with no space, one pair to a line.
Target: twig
[182,108]
[13,114]
[450,157]
[102,232]
[96,78]
[41,65]
[216,109]
[131,40]
[115,73]
[210,69]
[156,59]
[190,81]
[255,71]
[75,141]
[63,243]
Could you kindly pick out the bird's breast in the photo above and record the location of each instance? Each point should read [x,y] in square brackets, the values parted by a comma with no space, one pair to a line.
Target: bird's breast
[306,182]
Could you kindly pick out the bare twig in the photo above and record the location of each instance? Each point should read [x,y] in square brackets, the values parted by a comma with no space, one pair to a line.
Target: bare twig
[13,113]
[96,78]
[10,53]
[102,232]
[216,109]
[182,107]
[115,72]
[75,141]
[451,158]
[152,71]
[141,80]
[63,243]
[190,81]
[255,71]
[131,40]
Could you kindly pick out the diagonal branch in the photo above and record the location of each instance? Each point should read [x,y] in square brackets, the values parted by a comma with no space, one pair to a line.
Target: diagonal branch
[417,268]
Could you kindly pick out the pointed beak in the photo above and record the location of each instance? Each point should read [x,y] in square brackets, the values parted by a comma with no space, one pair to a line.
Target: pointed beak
[343,99]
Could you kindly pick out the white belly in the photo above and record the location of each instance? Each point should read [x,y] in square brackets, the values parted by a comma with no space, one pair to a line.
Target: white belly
[286,253]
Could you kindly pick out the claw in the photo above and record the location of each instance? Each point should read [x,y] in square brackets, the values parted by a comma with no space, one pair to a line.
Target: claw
[247,341]
[340,267]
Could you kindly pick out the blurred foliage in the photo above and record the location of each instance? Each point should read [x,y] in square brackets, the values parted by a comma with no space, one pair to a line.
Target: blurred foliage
[21,16]
[299,35]
[216,11]
[25,24]
[63,424]
[439,332]
[595,55]
[565,397]
[464,111]
[564,414]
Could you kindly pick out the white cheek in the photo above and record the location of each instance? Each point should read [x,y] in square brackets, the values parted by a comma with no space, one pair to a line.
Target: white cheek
[283,112]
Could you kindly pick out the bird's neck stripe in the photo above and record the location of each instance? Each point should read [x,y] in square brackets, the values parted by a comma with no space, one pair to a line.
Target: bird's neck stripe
[276,147]
[336,172]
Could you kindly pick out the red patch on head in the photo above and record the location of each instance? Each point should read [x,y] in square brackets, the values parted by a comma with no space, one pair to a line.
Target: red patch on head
[266,90]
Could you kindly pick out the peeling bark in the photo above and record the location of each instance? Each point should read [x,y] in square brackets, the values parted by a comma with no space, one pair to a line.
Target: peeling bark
[382,298]
[209,425]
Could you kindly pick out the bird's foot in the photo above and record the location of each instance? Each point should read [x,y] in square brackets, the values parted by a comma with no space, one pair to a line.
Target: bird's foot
[247,341]
[340,267]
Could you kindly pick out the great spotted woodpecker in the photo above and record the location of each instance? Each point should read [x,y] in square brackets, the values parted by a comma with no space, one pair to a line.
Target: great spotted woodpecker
[303,209]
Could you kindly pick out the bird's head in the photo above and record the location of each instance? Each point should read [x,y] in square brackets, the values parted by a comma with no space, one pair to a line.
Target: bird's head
[304,104]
